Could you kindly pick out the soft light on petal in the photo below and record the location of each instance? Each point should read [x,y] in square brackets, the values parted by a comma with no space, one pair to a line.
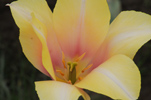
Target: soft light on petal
[118,78]
[32,46]
[81,25]
[72,46]
[41,32]
[128,32]
[53,90]
[21,11]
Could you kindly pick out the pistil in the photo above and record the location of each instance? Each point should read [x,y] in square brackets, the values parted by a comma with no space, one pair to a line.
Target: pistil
[72,71]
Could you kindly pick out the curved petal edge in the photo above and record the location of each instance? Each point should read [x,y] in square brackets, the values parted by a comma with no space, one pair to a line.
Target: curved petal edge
[118,78]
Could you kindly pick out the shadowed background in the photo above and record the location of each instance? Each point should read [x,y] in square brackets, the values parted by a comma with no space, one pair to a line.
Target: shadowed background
[17,75]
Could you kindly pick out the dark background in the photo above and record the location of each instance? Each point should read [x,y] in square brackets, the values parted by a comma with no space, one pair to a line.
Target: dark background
[17,75]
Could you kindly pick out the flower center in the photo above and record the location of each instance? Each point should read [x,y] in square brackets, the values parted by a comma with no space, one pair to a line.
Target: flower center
[69,73]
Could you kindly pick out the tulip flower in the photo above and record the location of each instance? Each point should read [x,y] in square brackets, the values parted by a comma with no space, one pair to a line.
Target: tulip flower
[79,49]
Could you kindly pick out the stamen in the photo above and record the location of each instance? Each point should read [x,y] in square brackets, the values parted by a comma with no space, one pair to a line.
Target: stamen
[79,58]
[89,66]
[80,78]
[63,60]
[61,73]
[69,82]
[64,65]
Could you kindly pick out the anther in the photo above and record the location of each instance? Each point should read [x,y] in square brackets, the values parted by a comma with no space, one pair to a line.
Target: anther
[80,78]
[79,58]
[69,82]
[89,66]
[61,73]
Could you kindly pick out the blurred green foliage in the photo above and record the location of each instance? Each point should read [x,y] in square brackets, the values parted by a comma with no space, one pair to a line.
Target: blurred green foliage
[17,75]
[115,8]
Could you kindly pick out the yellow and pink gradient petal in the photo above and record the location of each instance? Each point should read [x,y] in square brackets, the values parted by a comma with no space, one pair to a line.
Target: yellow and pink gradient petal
[78,49]
[22,12]
[82,28]
[31,45]
[126,36]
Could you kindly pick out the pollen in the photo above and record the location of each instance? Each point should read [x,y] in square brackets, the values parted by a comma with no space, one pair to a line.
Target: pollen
[69,82]
[80,78]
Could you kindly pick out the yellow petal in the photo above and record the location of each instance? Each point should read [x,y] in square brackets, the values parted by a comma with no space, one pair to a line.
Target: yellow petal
[118,78]
[54,90]
[21,11]
[81,25]
[128,32]
[41,32]
[84,95]
[32,47]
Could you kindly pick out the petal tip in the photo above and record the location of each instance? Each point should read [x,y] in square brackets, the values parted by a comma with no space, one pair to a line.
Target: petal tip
[8,5]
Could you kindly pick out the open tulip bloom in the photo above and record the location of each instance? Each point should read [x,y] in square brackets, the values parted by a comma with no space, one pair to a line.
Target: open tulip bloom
[79,49]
